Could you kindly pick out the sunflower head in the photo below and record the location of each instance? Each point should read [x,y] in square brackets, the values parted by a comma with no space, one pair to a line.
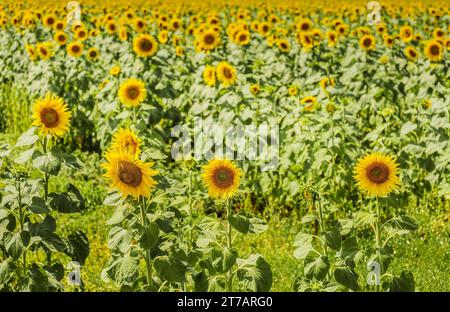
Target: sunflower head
[45,50]
[60,38]
[51,115]
[367,42]
[93,54]
[293,90]
[209,75]
[376,174]
[411,53]
[310,103]
[75,49]
[226,73]
[132,92]
[283,45]
[129,175]
[254,89]
[145,45]
[126,141]
[115,70]
[434,51]
[222,178]
[208,40]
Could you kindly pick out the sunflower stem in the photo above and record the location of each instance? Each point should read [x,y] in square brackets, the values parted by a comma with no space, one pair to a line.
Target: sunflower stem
[147,256]
[229,245]
[378,239]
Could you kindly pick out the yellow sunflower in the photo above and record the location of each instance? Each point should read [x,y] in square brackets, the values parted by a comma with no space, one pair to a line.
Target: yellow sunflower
[293,90]
[209,75]
[254,89]
[51,115]
[44,50]
[132,92]
[75,49]
[129,175]
[406,33]
[376,174]
[242,37]
[226,73]
[326,82]
[145,45]
[60,38]
[283,45]
[434,51]
[310,103]
[208,40]
[367,42]
[115,70]
[31,52]
[222,178]
[49,20]
[126,141]
[411,53]
[93,54]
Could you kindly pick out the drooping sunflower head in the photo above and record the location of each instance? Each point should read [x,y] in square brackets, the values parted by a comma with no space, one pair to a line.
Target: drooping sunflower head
[129,175]
[209,75]
[132,92]
[75,49]
[145,45]
[376,174]
[51,115]
[226,73]
[411,53]
[126,141]
[434,51]
[367,42]
[222,178]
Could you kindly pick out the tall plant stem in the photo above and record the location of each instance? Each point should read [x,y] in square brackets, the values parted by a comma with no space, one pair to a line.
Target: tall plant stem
[229,245]
[322,224]
[21,222]
[46,175]
[147,256]
[378,242]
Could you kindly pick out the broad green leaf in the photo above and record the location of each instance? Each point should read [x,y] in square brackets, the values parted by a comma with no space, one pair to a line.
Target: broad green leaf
[303,244]
[346,277]
[38,206]
[404,222]
[316,266]
[255,273]
[333,238]
[47,163]
[27,138]
[172,270]
[363,218]
[239,222]
[257,226]
[149,236]
[17,244]
[404,283]
[119,238]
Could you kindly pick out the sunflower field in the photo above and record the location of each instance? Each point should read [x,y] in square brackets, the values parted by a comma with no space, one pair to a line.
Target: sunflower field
[95,97]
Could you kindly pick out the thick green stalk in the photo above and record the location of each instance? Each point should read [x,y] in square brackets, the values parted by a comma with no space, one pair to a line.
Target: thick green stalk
[378,242]
[147,256]
[229,245]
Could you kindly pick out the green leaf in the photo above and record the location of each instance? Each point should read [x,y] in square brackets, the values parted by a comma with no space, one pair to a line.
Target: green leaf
[38,206]
[200,281]
[47,163]
[308,218]
[303,244]
[239,222]
[346,226]
[346,277]
[119,238]
[404,222]
[316,266]
[68,202]
[333,239]
[24,156]
[407,128]
[17,244]
[27,138]
[6,270]
[126,269]
[78,247]
[172,270]
[404,283]
[113,199]
[363,218]
[120,213]
[349,248]
[255,273]
[149,236]
[228,259]
[257,226]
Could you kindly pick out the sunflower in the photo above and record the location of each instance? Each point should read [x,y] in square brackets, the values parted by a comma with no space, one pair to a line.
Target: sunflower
[254,89]
[139,24]
[111,27]
[129,175]
[367,42]
[293,90]
[438,33]
[145,45]
[226,73]
[59,25]
[132,92]
[209,75]
[406,33]
[81,34]
[115,70]
[304,25]
[389,41]
[242,37]
[208,40]
[93,54]
[44,50]
[31,52]
[60,38]
[411,53]
[283,45]
[75,49]
[264,28]
[49,20]
[222,178]
[434,51]
[126,141]
[51,115]
[332,37]
[376,174]
[326,82]
[310,103]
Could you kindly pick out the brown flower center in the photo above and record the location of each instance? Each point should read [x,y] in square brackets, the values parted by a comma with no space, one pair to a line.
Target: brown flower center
[145,45]
[223,177]
[367,42]
[50,21]
[305,26]
[242,38]
[434,50]
[412,53]
[49,117]
[75,49]
[227,73]
[129,173]
[133,92]
[209,39]
[378,173]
